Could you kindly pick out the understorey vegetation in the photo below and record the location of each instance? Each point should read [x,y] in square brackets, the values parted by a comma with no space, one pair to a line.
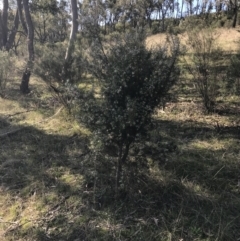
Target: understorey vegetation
[108,132]
[133,80]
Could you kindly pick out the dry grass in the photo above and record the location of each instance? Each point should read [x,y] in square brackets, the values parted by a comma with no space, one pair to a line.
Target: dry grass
[228,39]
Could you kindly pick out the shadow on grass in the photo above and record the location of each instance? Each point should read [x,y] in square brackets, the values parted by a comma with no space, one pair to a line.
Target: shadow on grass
[189,192]
[40,99]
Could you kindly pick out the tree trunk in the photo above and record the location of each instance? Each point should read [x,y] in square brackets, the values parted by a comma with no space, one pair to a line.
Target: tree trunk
[191,6]
[25,81]
[122,157]
[21,18]
[235,10]
[30,37]
[5,23]
[30,31]
[118,171]
[12,35]
[182,9]
[72,38]
[1,27]
[163,20]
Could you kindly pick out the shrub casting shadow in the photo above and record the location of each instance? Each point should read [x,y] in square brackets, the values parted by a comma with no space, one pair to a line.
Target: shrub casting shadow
[33,162]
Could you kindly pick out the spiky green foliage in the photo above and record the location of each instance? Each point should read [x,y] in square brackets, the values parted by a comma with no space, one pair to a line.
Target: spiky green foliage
[133,80]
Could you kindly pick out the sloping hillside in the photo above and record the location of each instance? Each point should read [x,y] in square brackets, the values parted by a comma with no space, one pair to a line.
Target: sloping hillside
[228,39]
[187,188]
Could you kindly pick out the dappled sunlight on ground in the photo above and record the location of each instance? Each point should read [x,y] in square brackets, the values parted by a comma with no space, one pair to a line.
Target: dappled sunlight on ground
[181,182]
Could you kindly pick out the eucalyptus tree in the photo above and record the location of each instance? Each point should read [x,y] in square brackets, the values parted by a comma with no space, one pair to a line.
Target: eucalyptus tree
[234,5]
[114,13]
[146,8]
[30,28]
[21,17]
[50,20]
[190,6]
[73,34]
[132,12]
[13,32]
[162,8]
[4,22]
[8,27]
[24,86]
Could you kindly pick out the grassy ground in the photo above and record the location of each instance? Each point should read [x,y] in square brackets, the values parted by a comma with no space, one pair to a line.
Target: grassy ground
[189,189]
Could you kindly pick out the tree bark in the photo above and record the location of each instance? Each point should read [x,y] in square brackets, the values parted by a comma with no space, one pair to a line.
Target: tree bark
[25,81]
[118,171]
[12,35]
[1,27]
[30,29]
[21,18]
[191,6]
[182,9]
[122,157]
[73,34]
[30,37]
[5,23]
[235,10]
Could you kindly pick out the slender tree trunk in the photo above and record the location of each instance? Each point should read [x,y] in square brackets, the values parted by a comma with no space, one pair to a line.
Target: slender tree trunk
[122,157]
[5,23]
[182,9]
[73,34]
[1,27]
[8,39]
[163,20]
[235,10]
[12,35]
[105,26]
[25,81]
[118,171]
[30,31]
[191,6]
[21,18]
[30,37]
[197,7]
